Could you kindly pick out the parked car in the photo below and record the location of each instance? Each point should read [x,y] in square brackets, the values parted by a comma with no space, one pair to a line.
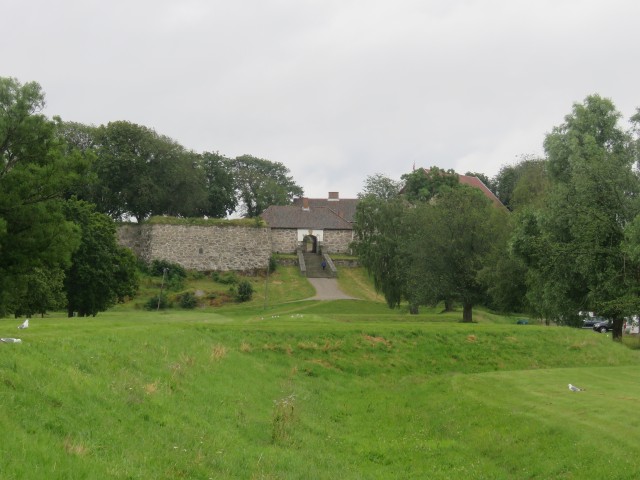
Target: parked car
[603,326]
[590,322]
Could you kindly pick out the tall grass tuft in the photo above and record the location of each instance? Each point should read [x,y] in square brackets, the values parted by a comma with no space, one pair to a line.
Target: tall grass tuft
[284,413]
[218,352]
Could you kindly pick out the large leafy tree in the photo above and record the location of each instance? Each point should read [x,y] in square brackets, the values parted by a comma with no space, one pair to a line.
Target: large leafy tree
[452,241]
[44,292]
[260,183]
[220,185]
[422,185]
[380,186]
[36,172]
[380,229]
[523,183]
[427,252]
[140,173]
[575,245]
[102,273]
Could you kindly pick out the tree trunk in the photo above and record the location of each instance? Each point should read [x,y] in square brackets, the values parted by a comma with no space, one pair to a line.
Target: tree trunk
[413,309]
[69,311]
[448,305]
[617,329]
[467,313]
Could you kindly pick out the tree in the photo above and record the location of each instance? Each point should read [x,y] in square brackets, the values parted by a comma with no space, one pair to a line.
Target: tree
[260,183]
[422,185]
[523,183]
[531,188]
[451,243]
[575,246]
[44,291]
[140,173]
[380,186]
[102,273]
[504,274]
[219,185]
[35,174]
[379,228]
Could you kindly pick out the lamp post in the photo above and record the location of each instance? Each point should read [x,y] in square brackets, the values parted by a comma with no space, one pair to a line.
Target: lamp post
[164,272]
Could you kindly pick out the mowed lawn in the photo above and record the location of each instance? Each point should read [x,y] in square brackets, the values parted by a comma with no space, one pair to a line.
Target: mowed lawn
[313,390]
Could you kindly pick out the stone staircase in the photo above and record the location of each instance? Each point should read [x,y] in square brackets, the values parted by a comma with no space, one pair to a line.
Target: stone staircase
[313,263]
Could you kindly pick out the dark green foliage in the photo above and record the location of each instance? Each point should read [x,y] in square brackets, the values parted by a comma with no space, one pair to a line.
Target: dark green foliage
[273,264]
[261,183]
[244,291]
[141,173]
[152,303]
[173,275]
[422,185]
[44,292]
[453,241]
[36,172]
[226,278]
[523,184]
[220,185]
[429,251]
[188,300]
[170,270]
[380,230]
[575,244]
[101,273]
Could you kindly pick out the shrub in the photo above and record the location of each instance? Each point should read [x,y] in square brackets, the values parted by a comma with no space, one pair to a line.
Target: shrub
[175,274]
[157,268]
[272,264]
[226,278]
[152,303]
[188,300]
[244,291]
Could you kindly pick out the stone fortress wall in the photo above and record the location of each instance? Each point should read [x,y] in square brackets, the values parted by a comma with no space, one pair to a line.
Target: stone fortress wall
[202,248]
[218,248]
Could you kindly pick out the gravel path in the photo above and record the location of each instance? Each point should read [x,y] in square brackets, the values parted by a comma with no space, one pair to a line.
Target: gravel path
[327,289]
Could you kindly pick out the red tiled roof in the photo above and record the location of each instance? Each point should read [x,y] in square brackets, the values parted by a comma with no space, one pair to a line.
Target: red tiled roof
[477,183]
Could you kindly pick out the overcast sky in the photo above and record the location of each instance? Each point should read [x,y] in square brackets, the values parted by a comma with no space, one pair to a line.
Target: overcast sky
[336,90]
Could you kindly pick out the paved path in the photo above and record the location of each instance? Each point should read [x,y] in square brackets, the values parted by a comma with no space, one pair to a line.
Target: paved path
[327,289]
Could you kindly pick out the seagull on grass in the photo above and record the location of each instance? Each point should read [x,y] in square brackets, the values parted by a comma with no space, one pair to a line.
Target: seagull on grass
[25,324]
[573,388]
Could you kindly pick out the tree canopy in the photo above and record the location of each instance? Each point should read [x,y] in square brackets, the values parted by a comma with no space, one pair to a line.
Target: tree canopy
[429,244]
[35,175]
[101,273]
[575,244]
[261,183]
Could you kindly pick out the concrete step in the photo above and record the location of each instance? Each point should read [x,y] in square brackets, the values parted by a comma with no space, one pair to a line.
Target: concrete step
[313,262]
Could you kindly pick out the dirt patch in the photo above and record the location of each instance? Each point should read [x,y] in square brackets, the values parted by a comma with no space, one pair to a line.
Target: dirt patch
[377,340]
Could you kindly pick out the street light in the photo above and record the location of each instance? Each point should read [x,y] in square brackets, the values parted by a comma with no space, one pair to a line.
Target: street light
[164,272]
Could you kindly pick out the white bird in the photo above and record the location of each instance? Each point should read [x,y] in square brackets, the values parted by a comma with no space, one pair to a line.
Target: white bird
[573,388]
[25,324]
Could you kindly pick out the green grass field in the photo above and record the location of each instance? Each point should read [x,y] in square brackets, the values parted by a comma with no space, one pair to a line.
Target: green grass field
[303,390]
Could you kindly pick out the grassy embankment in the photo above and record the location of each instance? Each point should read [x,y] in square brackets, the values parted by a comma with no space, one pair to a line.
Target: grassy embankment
[342,389]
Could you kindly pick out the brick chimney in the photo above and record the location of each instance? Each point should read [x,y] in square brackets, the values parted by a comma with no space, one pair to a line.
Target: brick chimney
[305,204]
[334,196]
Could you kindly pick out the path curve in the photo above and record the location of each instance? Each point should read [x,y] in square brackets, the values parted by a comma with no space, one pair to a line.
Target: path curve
[327,289]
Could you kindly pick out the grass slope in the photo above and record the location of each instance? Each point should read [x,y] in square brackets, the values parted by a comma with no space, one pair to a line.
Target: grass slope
[329,390]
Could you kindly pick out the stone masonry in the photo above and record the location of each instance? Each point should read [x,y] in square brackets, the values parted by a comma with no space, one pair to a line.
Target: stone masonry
[337,241]
[202,248]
